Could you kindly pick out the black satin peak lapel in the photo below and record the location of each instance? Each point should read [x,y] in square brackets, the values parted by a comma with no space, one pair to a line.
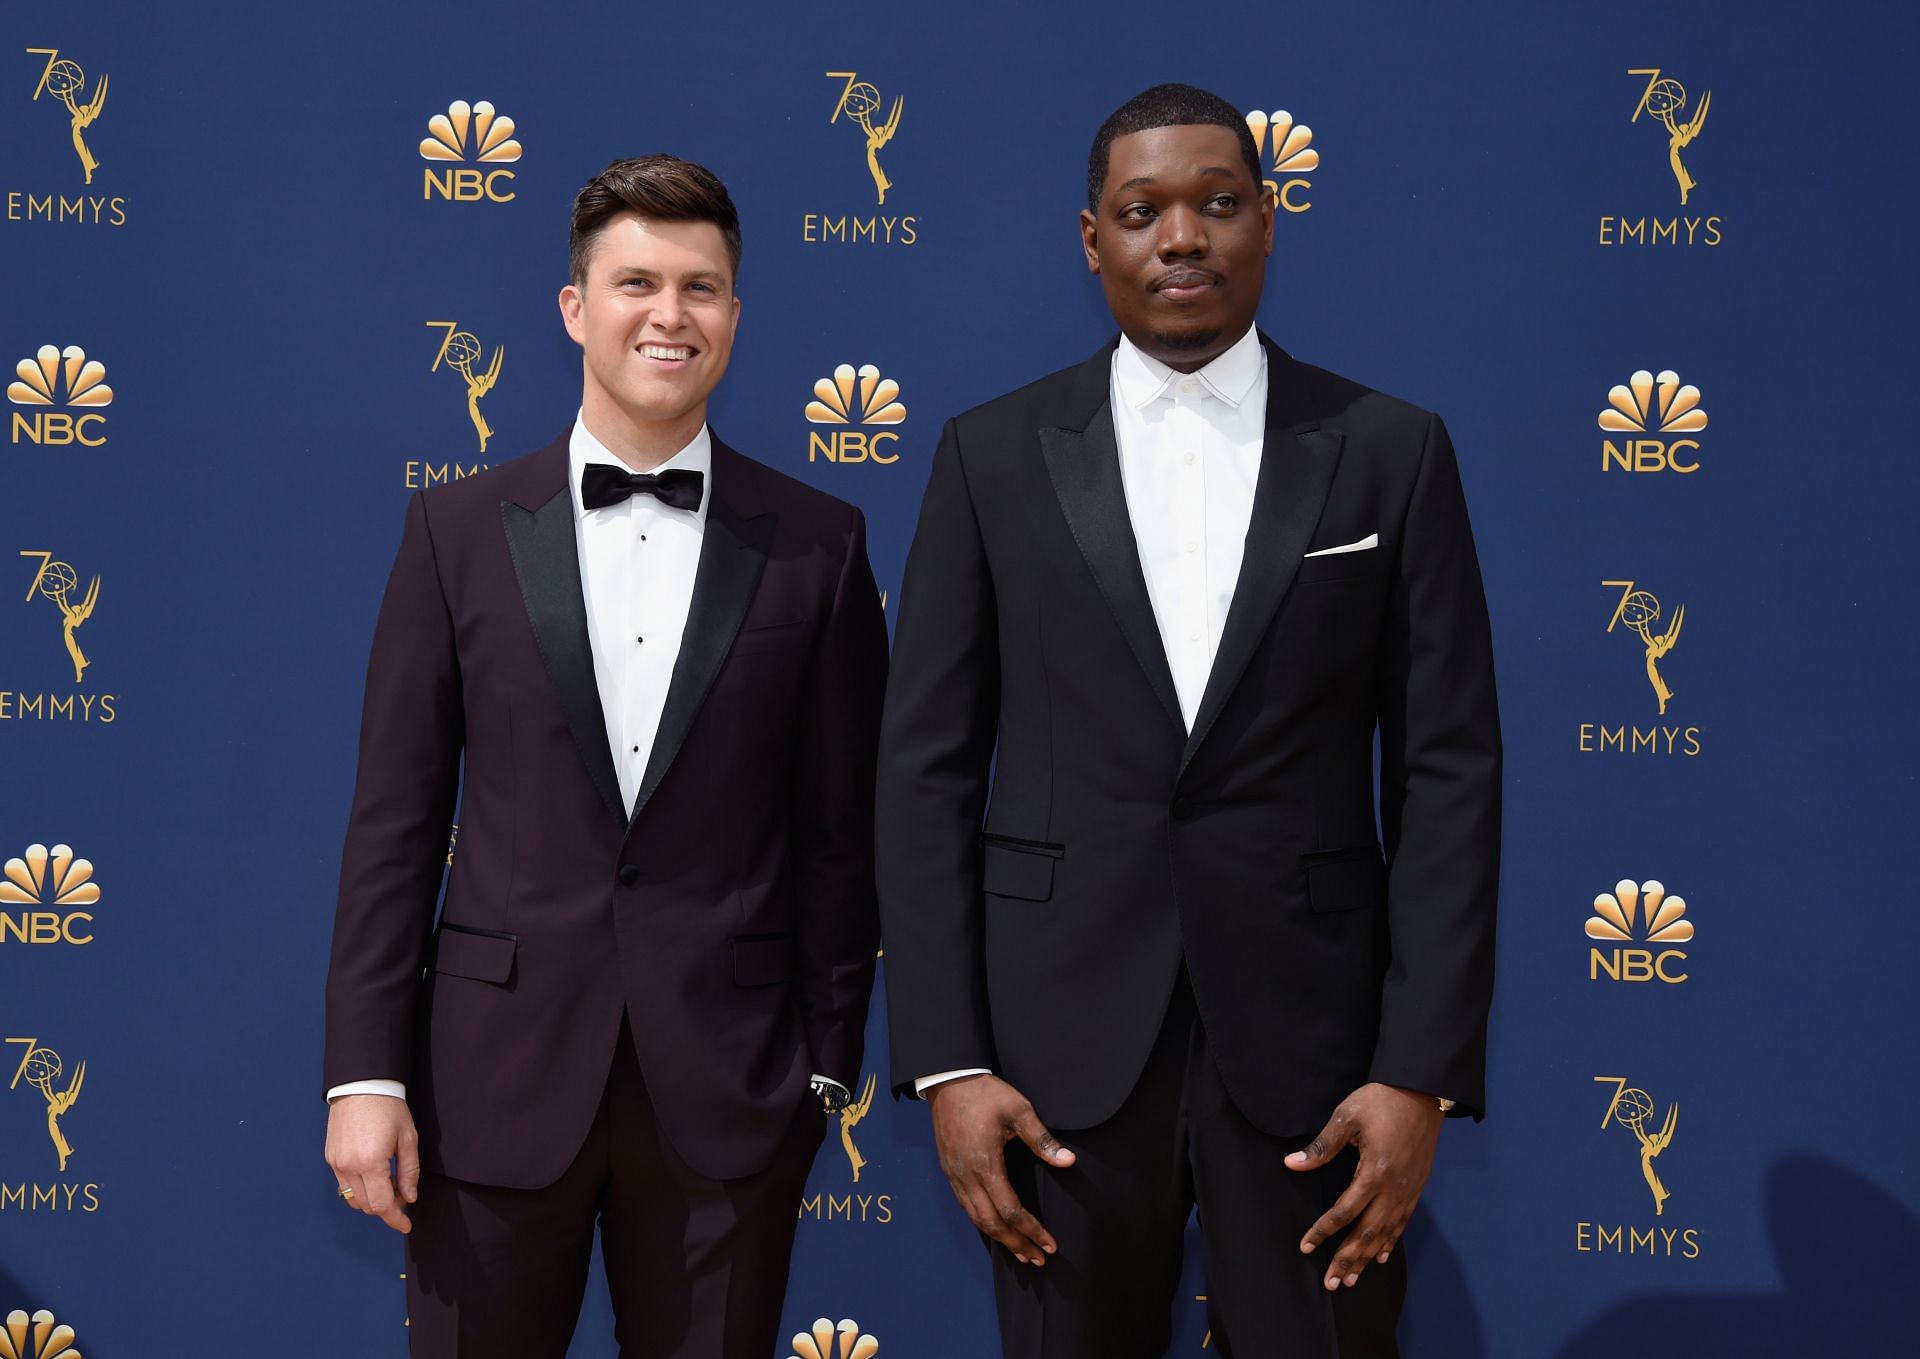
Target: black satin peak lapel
[733,554]
[1296,472]
[547,561]
[1085,469]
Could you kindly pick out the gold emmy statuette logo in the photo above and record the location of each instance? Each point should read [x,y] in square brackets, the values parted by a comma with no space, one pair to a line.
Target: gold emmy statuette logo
[855,396]
[819,1343]
[57,581]
[859,101]
[1665,100]
[850,1116]
[1640,914]
[458,351]
[56,884]
[64,80]
[1657,408]
[469,132]
[1632,1108]
[42,1069]
[1288,147]
[1639,611]
[63,378]
[51,1339]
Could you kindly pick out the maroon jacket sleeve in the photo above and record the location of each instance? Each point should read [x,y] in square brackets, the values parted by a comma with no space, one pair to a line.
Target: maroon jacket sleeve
[411,733]
[837,913]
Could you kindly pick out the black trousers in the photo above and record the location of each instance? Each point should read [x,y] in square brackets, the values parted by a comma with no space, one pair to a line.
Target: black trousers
[697,1267]
[1120,1217]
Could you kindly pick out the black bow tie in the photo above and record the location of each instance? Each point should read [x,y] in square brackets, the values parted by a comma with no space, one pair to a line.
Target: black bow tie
[601,486]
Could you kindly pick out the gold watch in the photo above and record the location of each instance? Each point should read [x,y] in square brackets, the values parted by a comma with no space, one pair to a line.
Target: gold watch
[1446,1105]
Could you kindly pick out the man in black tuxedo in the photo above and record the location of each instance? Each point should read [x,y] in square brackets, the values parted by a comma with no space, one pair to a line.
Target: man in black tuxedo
[650,666]
[1158,608]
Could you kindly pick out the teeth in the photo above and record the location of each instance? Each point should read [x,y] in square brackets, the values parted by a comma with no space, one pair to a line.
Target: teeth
[660,351]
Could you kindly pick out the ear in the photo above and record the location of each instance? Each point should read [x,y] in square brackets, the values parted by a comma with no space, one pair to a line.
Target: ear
[571,304]
[1266,220]
[736,319]
[1090,239]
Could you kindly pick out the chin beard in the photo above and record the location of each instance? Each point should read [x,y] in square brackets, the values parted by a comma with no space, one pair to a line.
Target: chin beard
[1188,341]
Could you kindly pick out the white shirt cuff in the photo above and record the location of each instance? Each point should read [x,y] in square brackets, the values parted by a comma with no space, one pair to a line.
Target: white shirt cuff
[393,1088]
[922,1084]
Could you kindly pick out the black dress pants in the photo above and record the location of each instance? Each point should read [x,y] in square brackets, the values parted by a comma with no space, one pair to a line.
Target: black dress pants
[697,1267]
[1119,1215]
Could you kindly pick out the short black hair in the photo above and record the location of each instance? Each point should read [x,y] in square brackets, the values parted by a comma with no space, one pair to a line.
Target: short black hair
[661,188]
[1171,105]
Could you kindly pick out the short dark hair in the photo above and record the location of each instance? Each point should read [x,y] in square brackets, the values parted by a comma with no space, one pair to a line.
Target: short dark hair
[1171,105]
[661,187]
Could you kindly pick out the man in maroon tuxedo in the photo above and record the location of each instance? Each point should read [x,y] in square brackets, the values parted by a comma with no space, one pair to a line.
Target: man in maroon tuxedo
[650,669]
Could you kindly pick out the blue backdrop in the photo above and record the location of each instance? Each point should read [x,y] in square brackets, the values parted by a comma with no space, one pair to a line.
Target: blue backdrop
[1483,215]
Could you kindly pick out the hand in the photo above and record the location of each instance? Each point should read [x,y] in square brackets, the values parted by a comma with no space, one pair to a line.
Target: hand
[974,1117]
[365,1134]
[1396,1132]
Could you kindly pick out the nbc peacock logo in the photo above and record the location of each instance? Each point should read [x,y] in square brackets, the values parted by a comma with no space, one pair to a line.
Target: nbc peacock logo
[53,887]
[1656,409]
[50,388]
[469,132]
[1637,930]
[38,1336]
[1288,155]
[855,397]
[828,1341]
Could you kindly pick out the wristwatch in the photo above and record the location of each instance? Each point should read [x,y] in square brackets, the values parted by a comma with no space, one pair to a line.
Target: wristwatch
[1446,1105]
[833,1096]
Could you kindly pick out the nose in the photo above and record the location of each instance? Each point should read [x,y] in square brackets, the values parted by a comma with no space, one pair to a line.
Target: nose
[1183,233]
[666,313]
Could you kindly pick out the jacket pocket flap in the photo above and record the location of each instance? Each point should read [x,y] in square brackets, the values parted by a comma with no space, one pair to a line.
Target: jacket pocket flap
[1020,871]
[1348,880]
[761,959]
[481,955]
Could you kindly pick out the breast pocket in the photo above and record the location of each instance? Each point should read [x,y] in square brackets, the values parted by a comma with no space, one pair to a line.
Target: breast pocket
[790,636]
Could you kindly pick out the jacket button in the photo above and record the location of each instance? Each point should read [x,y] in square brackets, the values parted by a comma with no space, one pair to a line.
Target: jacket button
[629,875]
[1182,808]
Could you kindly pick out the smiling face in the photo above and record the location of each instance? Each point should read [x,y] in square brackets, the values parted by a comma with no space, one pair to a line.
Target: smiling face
[654,318]
[1180,241]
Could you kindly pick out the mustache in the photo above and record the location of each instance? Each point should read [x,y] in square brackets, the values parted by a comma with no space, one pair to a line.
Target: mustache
[1184,276]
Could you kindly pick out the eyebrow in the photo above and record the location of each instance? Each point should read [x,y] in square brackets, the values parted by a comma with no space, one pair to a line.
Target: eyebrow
[1141,181]
[692,276]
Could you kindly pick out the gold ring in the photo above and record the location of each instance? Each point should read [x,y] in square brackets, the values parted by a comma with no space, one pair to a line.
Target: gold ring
[346,1191]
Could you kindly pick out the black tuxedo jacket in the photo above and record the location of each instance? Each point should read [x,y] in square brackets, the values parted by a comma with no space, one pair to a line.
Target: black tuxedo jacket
[730,913]
[1044,943]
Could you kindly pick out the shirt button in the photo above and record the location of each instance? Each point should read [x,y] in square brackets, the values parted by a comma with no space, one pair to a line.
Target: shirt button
[1188,459]
[1193,636]
[1193,547]
[629,875]
[1188,385]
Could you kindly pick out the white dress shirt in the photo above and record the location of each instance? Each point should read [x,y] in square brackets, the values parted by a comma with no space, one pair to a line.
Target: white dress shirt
[1189,458]
[637,564]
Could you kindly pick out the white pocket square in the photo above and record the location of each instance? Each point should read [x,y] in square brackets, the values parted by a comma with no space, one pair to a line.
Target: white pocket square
[1371,540]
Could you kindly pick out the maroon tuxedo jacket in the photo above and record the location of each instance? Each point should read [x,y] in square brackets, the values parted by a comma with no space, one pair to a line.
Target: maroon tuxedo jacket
[730,913]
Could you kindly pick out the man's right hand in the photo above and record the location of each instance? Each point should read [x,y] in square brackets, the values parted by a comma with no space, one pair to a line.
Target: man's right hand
[366,1136]
[974,1117]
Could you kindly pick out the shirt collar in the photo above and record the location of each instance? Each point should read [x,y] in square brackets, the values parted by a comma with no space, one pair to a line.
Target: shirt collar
[583,448]
[1142,379]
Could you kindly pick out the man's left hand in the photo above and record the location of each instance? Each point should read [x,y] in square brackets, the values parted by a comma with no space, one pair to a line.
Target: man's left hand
[1395,1131]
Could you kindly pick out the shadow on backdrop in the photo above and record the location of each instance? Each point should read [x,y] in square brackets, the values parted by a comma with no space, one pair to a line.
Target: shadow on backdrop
[1845,1251]
[1440,1317]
